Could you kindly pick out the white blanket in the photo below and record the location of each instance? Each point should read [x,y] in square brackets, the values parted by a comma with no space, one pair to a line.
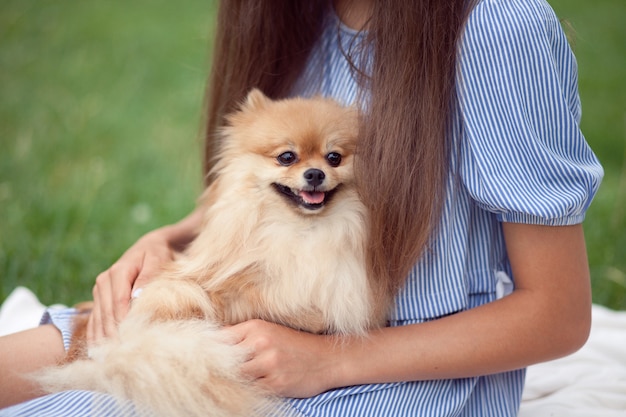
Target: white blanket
[589,383]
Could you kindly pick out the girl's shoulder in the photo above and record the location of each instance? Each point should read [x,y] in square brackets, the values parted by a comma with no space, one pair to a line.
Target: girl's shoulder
[513,16]
[521,33]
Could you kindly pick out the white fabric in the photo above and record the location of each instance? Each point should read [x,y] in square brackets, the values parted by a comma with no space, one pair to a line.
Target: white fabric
[589,383]
[20,311]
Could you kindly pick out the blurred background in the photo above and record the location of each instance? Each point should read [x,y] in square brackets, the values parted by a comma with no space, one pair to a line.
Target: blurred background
[100,114]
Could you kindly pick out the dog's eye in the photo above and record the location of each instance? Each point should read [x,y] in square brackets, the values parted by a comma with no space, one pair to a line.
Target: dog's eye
[334,159]
[287,158]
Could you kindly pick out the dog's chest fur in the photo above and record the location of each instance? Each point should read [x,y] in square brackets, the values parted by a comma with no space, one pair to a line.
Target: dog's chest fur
[303,271]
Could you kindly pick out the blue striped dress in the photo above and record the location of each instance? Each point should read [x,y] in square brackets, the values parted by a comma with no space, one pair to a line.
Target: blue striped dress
[520,158]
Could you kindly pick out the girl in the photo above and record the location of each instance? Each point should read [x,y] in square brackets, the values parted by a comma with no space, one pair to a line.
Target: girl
[474,170]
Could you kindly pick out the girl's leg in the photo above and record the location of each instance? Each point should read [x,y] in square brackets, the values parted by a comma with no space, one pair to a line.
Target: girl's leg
[25,352]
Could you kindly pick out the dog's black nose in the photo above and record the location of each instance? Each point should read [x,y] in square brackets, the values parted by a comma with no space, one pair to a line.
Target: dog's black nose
[314,177]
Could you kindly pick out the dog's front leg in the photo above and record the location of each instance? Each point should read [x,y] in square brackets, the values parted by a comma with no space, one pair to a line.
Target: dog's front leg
[172,299]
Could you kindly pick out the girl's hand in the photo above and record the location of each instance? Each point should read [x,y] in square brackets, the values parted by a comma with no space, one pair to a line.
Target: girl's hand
[286,362]
[139,264]
[547,316]
[113,288]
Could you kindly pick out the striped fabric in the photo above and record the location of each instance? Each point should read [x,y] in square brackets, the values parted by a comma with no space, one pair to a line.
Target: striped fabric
[520,158]
[62,318]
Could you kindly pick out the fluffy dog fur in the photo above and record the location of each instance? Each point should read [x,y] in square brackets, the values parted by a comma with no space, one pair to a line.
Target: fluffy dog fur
[282,240]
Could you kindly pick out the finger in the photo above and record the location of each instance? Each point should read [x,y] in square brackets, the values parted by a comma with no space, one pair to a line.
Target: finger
[94,328]
[252,368]
[123,276]
[150,267]
[260,365]
[91,333]
[238,336]
[139,284]
[234,334]
[120,304]
[109,310]
[113,295]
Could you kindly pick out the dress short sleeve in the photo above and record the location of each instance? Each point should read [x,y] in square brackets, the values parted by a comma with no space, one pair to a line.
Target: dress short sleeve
[522,154]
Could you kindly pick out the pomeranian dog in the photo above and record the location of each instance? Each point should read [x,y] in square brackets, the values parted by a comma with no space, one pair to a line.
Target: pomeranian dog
[283,240]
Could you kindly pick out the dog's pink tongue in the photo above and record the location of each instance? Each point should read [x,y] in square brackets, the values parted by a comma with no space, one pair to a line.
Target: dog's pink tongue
[312,197]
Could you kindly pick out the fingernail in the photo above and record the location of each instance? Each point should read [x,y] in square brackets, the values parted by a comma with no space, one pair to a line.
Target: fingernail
[136,293]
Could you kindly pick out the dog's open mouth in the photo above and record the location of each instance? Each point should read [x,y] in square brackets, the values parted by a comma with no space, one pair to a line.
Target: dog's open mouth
[308,199]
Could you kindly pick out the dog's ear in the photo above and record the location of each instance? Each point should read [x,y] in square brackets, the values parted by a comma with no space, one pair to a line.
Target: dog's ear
[256,100]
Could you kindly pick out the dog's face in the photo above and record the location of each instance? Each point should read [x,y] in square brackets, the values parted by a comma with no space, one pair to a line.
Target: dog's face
[301,150]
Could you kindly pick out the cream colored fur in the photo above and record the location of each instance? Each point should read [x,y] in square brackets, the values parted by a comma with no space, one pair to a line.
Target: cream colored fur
[258,255]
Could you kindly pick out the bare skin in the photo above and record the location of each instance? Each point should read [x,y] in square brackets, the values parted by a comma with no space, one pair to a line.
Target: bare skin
[140,263]
[547,316]
[22,353]
[42,346]
[113,288]
[354,13]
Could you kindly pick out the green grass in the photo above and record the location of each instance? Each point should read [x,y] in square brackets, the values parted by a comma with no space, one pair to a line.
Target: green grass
[99,118]
[100,109]
[598,33]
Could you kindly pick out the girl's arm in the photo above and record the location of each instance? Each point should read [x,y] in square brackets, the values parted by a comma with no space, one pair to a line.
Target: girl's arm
[139,264]
[547,316]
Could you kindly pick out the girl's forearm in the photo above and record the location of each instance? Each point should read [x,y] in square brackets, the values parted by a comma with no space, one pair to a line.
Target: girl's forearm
[547,316]
[489,339]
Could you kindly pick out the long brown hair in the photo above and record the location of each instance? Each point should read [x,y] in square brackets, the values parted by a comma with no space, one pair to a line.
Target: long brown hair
[403,153]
